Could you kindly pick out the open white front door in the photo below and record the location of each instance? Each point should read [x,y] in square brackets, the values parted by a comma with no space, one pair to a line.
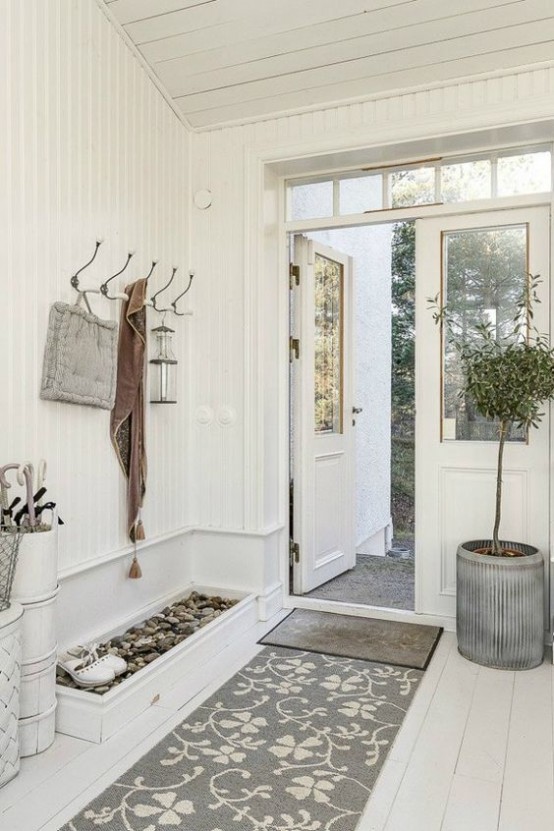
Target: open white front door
[477,263]
[322,444]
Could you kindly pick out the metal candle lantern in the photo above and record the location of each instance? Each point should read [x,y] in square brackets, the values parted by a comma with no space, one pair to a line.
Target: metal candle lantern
[164,376]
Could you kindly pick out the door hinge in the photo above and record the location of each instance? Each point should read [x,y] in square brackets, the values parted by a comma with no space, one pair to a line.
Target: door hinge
[294,552]
[294,275]
[294,348]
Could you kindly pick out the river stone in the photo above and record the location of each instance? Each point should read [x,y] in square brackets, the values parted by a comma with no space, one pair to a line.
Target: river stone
[159,633]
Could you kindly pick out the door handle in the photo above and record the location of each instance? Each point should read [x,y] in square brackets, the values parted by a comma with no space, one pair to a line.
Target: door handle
[357,410]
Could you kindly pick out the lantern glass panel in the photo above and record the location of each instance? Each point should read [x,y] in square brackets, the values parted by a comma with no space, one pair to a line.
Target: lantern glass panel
[163,368]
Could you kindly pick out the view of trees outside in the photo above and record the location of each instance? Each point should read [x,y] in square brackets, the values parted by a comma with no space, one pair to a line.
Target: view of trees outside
[485,274]
[466,181]
[403,382]
[524,173]
[415,186]
[328,344]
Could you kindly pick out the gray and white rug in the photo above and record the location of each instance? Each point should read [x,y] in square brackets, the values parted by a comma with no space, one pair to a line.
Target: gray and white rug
[293,742]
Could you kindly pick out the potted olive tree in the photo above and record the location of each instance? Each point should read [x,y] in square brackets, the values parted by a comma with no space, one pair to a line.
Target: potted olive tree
[500,584]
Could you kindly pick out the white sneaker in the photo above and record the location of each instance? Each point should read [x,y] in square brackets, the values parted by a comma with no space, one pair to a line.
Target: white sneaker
[119,665]
[85,671]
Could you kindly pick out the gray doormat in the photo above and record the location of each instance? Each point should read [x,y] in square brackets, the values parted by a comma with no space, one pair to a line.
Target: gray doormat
[368,639]
[292,742]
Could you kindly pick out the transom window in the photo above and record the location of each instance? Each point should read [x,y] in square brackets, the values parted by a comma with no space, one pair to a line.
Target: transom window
[430,181]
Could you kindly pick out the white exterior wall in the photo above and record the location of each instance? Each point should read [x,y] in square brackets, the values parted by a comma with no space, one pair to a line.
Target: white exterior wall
[89,148]
[370,249]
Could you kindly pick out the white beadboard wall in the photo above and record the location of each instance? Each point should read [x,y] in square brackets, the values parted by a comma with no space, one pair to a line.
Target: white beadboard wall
[89,148]
[245,483]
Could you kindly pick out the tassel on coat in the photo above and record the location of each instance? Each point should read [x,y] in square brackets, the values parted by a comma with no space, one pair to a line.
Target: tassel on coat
[135,571]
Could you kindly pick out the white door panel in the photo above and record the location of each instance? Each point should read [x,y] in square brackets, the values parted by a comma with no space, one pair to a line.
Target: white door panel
[455,478]
[322,437]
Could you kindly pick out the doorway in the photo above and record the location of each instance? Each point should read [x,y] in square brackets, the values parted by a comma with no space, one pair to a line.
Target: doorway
[352,415]
[454,452]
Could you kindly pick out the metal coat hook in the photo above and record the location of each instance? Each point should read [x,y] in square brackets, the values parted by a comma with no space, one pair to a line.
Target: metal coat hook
[104,286]
[167,285]
[174,303]
[83,292]
[75,278]
[154,264]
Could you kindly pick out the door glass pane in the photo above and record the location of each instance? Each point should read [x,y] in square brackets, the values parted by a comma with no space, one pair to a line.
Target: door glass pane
[485,270]
[328,345]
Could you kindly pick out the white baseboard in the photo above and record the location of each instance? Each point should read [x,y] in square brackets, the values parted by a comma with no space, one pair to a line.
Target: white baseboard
[271,601]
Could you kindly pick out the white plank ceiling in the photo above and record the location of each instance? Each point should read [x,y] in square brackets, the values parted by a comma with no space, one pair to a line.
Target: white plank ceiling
[224,61]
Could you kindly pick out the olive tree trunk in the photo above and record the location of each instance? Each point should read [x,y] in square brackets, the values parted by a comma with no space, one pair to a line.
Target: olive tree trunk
[504,429]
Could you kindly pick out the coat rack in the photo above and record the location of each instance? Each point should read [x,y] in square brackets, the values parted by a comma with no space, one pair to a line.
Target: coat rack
[74,281]
[173,305]
[119,295]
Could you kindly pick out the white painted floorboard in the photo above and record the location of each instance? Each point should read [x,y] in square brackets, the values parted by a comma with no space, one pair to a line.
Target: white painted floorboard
[475,753]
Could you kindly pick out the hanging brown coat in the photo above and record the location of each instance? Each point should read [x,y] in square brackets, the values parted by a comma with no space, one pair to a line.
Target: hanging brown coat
[127,417]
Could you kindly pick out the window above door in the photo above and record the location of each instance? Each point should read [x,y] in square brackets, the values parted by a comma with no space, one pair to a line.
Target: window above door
[512,172]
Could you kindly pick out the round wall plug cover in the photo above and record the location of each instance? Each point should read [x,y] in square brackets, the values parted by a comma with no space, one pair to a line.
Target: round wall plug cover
[203,199]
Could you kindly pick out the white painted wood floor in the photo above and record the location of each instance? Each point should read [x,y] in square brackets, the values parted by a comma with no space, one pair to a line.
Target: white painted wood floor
[475,752]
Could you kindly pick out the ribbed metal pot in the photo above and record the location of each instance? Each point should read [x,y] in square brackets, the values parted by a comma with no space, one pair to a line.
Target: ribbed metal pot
[500,606]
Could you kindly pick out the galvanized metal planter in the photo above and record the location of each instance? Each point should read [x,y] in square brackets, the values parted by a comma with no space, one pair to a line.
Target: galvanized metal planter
[500,606]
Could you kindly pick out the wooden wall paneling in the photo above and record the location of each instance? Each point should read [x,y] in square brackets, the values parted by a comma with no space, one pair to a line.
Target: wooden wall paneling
[89,149]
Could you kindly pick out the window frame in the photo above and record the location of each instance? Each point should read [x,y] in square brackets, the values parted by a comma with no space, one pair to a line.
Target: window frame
[436,162]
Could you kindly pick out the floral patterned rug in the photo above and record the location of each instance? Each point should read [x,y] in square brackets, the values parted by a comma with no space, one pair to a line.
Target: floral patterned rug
[293,742]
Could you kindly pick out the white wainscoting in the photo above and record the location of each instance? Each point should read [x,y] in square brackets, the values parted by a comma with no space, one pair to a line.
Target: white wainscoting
[241,561]
[101,600]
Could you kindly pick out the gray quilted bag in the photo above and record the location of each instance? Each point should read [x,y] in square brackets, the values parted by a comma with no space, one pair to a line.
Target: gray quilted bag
[80,358]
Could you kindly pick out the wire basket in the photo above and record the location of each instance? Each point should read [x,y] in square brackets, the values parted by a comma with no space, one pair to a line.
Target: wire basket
[9,549]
